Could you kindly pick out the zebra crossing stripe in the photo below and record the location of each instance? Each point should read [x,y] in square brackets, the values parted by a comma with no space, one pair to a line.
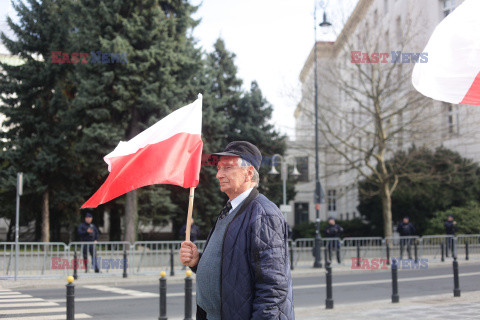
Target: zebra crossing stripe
[20,300]
[6,293]
[32,304]
[52,317]
[134,293]
[37,310]
[15,296]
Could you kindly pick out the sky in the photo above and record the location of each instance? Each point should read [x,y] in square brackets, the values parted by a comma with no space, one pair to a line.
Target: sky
[271,40]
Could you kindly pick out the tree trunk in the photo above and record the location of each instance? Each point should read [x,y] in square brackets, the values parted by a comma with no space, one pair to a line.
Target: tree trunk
[386,210]
[131,215]
[11,231]
[45,217]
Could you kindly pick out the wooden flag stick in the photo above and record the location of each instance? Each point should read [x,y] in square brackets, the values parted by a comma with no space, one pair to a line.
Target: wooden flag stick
[189,216]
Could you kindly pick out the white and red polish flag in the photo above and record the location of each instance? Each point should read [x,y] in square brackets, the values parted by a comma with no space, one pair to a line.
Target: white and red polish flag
[452,73]
[169,152]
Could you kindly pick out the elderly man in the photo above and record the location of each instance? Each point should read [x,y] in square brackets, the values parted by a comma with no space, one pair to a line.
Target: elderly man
[244,270]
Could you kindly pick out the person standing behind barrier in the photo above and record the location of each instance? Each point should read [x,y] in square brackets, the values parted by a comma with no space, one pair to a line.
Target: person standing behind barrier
[450,229]
[87,231]
[333,231]
[406,229]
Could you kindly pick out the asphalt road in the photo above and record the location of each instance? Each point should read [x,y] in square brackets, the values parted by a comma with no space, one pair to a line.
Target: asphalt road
[141,301]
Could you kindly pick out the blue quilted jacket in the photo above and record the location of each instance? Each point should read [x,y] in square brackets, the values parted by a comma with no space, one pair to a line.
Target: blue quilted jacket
[255,271]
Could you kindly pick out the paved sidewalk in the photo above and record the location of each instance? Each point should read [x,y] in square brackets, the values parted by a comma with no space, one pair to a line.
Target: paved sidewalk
[443,306]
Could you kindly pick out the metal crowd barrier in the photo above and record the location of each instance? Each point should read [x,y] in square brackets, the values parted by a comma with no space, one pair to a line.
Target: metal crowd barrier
[56,259]
[34,259]
[109,255]
[147,257]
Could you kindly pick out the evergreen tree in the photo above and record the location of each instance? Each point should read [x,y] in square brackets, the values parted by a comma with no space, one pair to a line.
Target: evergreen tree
[229,114]
[120,100]
[36,102]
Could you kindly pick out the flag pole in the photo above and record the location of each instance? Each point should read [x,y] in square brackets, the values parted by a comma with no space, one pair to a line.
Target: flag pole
[189,216]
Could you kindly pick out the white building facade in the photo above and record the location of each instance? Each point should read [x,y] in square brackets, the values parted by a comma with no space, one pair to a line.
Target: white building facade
[374,26]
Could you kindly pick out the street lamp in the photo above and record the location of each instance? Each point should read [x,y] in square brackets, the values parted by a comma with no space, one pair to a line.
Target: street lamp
[318,187]
[283,162]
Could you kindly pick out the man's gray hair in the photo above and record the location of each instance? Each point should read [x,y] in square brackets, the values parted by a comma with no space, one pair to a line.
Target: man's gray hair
[256,176]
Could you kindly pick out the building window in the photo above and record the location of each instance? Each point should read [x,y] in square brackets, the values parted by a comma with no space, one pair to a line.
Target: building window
[332,200]
[452,118]
[354,214]
[448,7]
[348,216]
[302,166]
[301,212]
[341,216]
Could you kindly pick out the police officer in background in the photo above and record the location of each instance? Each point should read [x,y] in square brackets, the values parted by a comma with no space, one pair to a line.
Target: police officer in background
[406,229]
[333,231]
[87,231]
[450,228]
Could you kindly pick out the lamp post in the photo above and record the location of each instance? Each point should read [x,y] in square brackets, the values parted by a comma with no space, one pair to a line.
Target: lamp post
[318,187]
[283,163]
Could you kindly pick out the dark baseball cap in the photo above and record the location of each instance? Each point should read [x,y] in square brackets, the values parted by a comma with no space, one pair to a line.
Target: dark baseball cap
[244,150]
[88,215]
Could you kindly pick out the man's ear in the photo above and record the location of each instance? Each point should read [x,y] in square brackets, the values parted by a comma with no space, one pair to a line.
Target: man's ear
[251,172]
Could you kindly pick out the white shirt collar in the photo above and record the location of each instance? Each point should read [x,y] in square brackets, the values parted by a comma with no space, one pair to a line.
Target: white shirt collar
[239,199]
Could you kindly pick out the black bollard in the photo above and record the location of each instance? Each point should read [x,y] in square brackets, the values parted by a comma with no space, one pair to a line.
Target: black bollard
[163,296]
[358,254]
[329,299]
[76,265]
[292,260]
[415,249]
[125,263]
[388,254]
[442,249]
[395,297]
[70,299]
[172,262]
[456,282]
[466,251]
[188,296]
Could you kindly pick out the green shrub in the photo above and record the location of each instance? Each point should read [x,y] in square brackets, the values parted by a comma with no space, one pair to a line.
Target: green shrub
[467,218]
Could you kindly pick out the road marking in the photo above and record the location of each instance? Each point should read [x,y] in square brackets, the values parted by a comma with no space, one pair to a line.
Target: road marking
[108,298]
[300,287]
[38,310]
[129,292]
[31,304]
[8,293]
[16,296]
[20,300]
[355,283]
[52,317]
